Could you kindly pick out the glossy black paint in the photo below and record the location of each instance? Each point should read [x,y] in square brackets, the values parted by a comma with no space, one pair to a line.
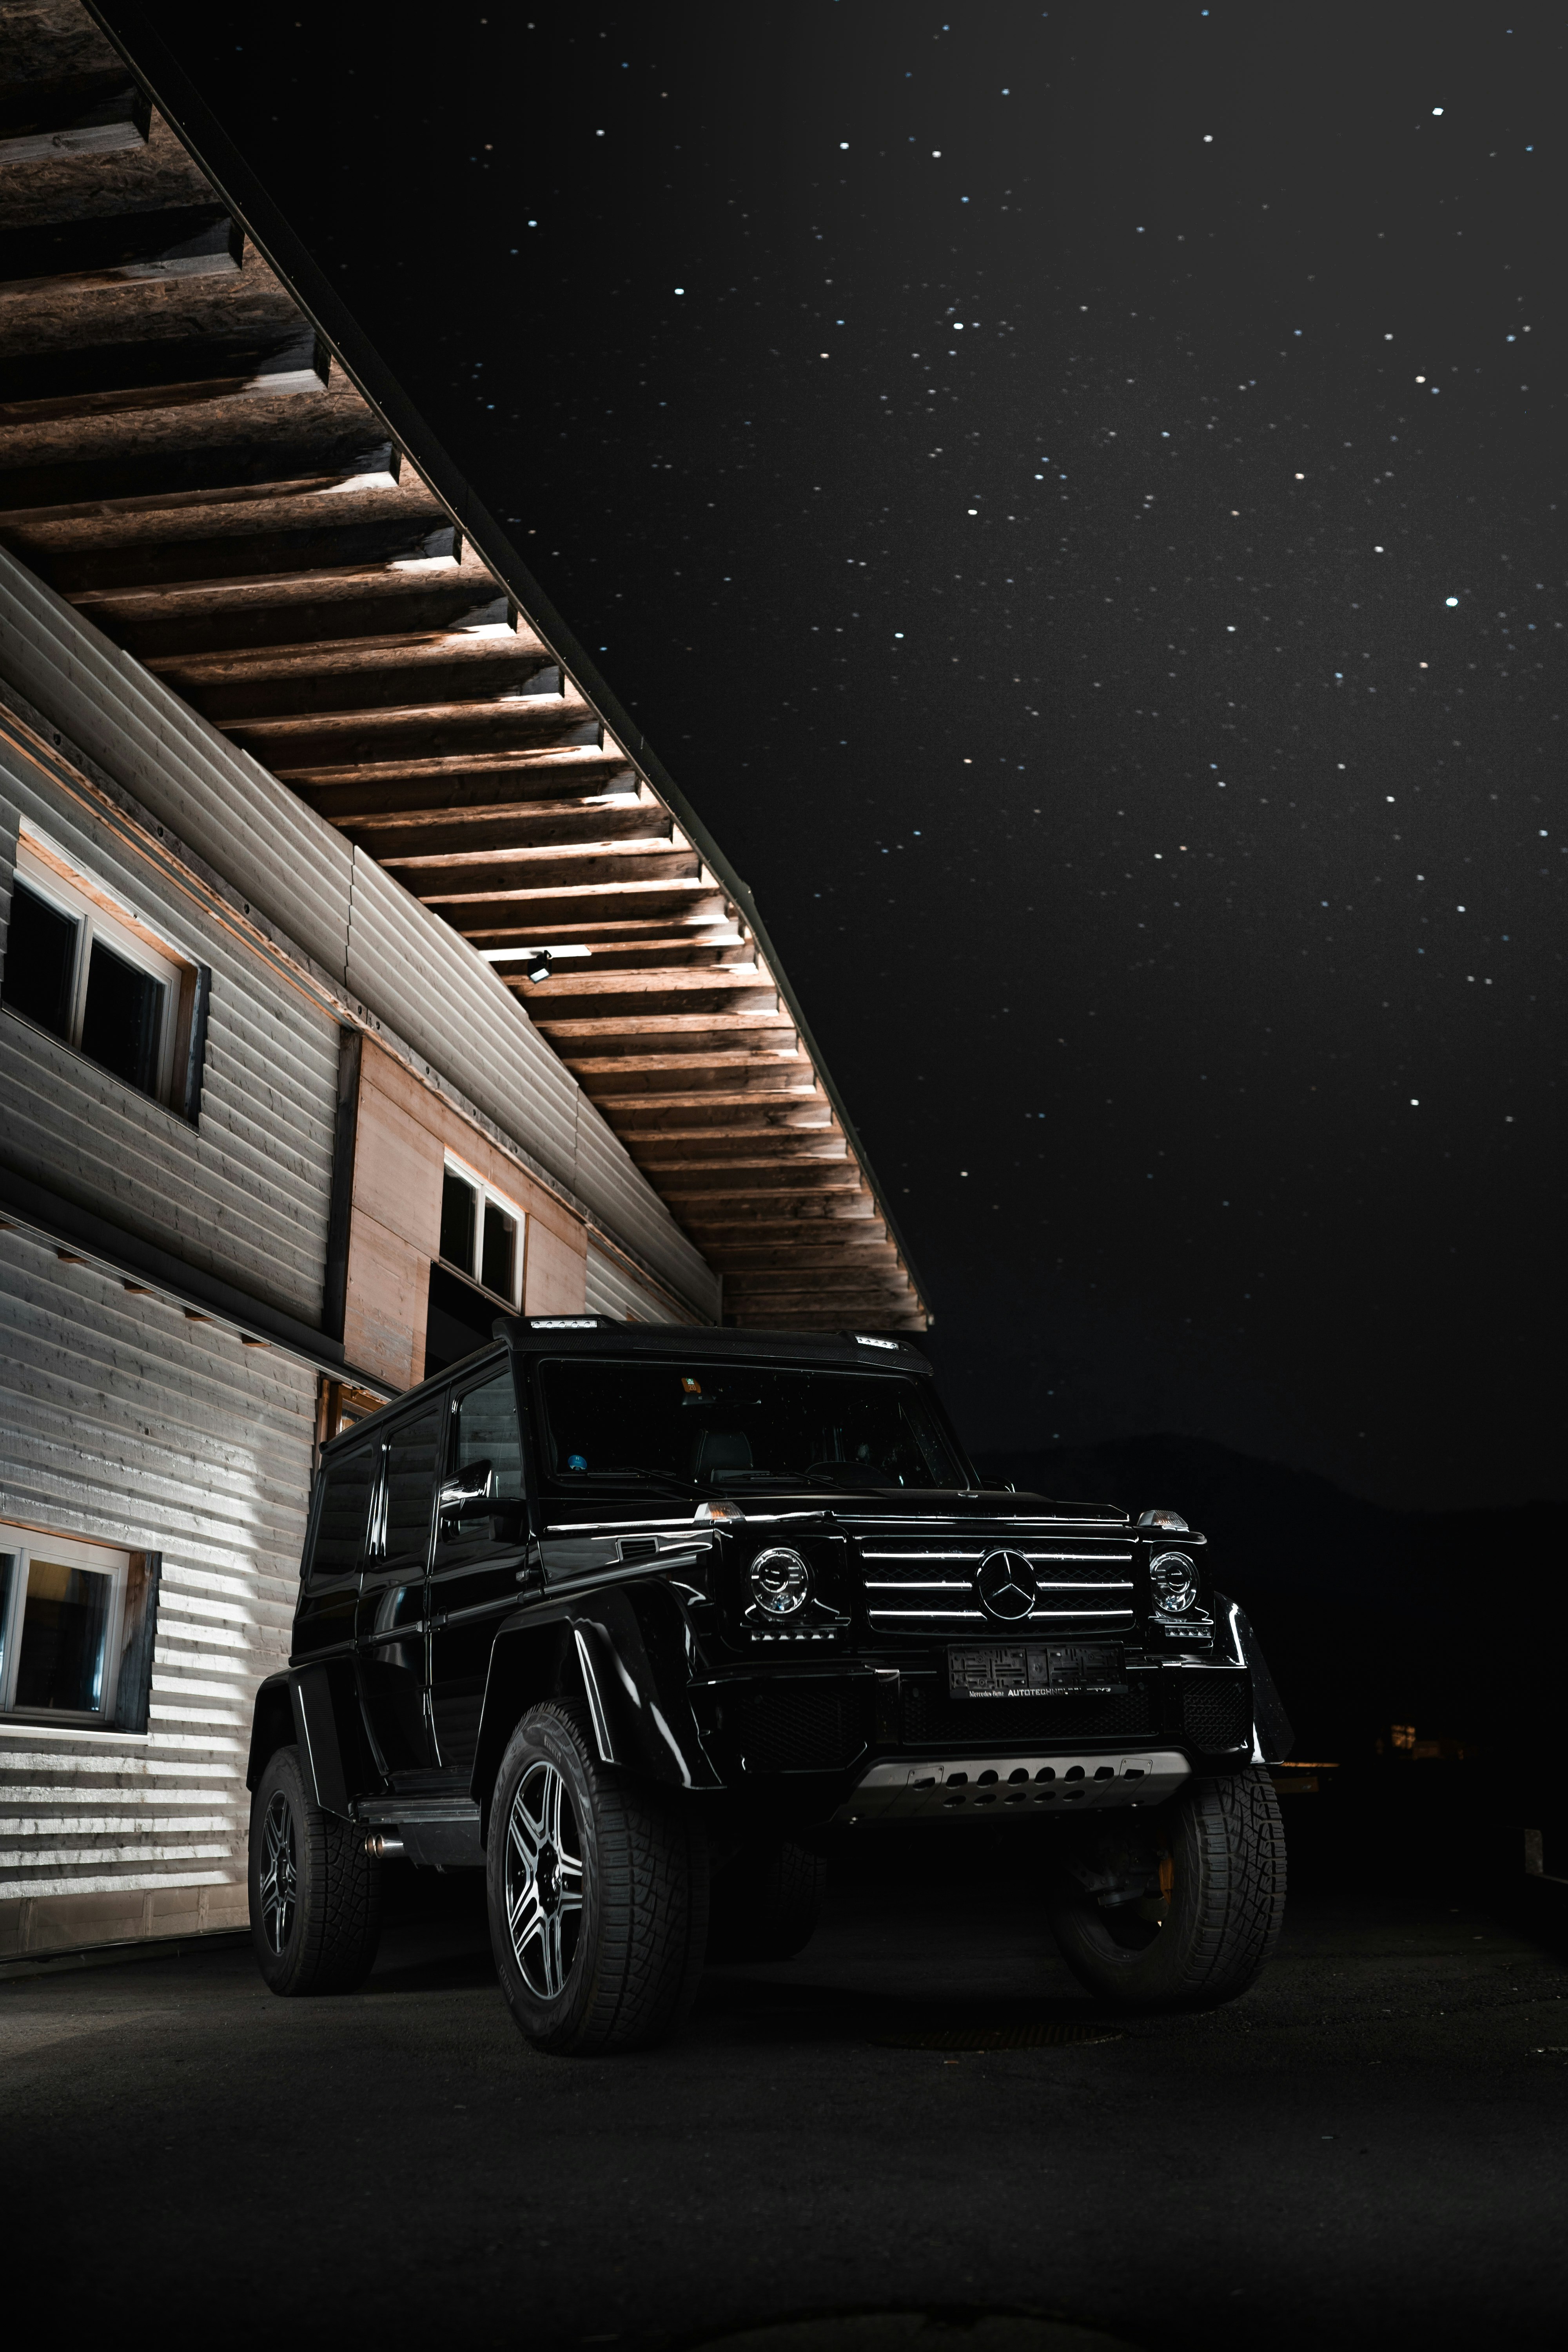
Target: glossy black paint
[484,1584]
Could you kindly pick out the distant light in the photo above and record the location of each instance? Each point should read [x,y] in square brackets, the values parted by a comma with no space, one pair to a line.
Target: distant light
[1436,110]
[680,289]
[1450,600]
[1208,138]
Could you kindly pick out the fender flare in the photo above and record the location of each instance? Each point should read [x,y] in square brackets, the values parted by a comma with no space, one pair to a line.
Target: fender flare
[303,1704]
[1272,1734]
[626,1650]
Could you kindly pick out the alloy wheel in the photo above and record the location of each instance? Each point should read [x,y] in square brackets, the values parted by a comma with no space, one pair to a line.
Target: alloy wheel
[544,1881]
[279,1873]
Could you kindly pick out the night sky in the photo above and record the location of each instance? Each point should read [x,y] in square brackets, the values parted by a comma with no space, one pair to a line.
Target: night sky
[1073,496]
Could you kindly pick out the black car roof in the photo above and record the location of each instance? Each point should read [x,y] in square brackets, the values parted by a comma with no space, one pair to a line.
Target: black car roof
[601,1335]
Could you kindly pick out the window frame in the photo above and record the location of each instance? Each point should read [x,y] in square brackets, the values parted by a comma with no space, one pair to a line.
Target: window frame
[65,1551]
[96,915]
[485,1192]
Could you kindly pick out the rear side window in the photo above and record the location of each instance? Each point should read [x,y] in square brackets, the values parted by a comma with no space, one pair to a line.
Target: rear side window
[344,1517]
[413,1459]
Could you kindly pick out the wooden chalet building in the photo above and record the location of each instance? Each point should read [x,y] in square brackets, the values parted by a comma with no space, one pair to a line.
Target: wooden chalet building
[298,774]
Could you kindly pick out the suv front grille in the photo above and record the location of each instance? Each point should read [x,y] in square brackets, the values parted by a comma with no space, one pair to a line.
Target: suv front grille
[927,1587]
[817,1727]
[929,1715]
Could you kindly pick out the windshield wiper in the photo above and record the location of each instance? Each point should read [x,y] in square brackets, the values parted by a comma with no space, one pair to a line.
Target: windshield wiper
[666,1480]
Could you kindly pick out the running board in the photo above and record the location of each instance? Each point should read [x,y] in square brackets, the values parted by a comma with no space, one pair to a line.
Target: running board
[970,1788]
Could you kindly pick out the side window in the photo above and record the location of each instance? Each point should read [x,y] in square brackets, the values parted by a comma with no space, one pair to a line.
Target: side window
[96,978]
[481,1234]
[62,1611]
[413,1460]
[344,1519]
[488,1431]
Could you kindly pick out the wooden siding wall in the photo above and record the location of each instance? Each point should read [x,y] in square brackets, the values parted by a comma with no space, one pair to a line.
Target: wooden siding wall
[614,1289]
[403,1134]
[366,937]
[242,1194]
[128,1423]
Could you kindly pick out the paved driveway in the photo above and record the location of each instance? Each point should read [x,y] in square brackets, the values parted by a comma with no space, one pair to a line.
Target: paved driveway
[1368,2150]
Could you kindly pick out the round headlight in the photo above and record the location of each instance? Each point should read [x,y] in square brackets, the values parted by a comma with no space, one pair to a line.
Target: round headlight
[1175,1582]
[780,1581]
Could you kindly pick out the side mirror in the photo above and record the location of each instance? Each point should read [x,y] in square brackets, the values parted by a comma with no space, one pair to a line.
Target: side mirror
[470,1485]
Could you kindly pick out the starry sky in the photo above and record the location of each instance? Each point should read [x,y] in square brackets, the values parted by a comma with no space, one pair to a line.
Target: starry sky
[1076,499]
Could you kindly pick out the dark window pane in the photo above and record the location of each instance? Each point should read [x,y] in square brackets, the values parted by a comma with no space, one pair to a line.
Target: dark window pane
[345,1514]
[40,960]
[458,1222]
[501,1249]
[64,1625]
[413,1451]
[123,1022]
[486,1431]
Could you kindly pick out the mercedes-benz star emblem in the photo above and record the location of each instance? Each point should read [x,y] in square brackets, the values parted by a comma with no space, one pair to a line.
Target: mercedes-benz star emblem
[1005,1584]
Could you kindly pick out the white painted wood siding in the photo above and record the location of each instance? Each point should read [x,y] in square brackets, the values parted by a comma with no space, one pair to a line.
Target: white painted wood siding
[242,1194]
[613,1289]
[367,936]
[128,1423]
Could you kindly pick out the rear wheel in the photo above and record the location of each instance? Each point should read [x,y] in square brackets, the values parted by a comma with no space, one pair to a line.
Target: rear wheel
[315,1894]
[598,1894]
[1179,1907]
[766,1903]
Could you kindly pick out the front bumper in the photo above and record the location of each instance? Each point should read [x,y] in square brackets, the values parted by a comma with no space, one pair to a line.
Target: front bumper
[975,1788]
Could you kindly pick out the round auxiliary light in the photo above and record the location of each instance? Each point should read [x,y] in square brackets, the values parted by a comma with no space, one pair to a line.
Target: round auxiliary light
[780,1581]
[1175,1583]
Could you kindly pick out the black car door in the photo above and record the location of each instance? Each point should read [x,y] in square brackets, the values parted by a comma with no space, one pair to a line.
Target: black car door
[480,1562]
[390,1641]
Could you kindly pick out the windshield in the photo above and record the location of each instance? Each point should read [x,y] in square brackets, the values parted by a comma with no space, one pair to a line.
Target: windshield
[722,1425]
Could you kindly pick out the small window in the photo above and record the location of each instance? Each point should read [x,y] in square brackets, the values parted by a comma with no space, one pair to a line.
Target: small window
[481,1233]
[94,977]
[413,1453]
[342,1518]
[63,1625]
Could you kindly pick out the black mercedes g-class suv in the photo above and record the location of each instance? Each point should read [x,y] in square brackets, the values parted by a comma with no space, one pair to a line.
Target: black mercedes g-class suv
[627,1616]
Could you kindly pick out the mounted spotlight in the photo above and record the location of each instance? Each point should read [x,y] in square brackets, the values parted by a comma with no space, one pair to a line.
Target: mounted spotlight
[537,964]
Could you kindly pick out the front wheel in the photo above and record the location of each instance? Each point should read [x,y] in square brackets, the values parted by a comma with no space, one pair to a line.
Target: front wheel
[598,1894]
[315,1894]
[1178,1907]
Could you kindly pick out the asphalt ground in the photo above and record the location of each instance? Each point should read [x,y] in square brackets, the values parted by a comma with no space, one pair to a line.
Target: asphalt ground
[1367,2149]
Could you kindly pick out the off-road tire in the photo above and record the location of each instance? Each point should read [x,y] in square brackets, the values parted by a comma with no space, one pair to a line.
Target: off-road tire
[327,1943]
[766,1903]
[1222,1845]
[638,1933]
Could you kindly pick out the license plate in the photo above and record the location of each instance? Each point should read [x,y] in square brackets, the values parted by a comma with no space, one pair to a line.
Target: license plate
[1035,1669]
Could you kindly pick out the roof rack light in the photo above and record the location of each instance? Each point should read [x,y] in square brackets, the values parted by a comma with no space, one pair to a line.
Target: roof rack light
[568,1322]
[864,1340]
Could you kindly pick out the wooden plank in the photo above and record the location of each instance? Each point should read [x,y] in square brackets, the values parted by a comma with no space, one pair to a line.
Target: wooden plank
[555,1272]
[415,674]
[340,540]
[90,114]
[430,846]
[762,1180]
[106,250]
[692,1031]
[119,379]
[726,1059]
[525,874]
[289,748]
[121,479]
[432,790]
[726,983]
[659,1158]
[254,615]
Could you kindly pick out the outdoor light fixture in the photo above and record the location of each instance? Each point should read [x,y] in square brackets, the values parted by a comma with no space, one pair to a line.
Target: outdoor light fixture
[1175,1583]
[537,962]
[780,1581]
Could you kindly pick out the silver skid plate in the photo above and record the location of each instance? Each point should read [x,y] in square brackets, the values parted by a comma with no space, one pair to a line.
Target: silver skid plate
[975,1788]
